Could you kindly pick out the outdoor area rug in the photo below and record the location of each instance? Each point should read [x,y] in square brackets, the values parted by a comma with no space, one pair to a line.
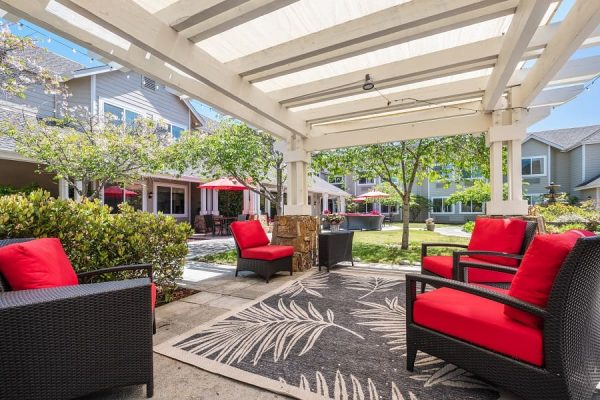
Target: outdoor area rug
[327,335]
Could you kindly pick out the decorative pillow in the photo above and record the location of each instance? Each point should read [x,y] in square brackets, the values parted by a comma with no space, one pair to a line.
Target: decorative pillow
[538,270]
[36,264]
[249,234]
[495,234]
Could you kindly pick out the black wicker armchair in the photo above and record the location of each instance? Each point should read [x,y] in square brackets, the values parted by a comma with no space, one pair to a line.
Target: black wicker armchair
[569,342]
[66,342]
[452,261]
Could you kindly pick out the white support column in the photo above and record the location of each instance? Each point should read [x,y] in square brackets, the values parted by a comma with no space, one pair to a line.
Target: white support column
[513,134]
[203,201]
[253,203]
[63,189]
[342,204]
[325,205]
[79,185]
[297,160]
[144,196]
[246,202]
[215,202]
[268,207]
[598,198]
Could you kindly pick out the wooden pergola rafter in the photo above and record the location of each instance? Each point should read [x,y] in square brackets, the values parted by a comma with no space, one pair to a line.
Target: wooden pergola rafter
[440,67]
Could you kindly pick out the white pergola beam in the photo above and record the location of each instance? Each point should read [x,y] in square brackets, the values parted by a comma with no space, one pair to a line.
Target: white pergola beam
[574,72]
[581,21]
[135,58]
[444,127]
[130,21]
[401,23]
[179,10]
[214,24]
[516,40]
[430,114]
[443,62]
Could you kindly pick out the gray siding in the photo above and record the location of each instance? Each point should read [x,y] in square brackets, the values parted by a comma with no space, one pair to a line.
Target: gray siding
[592,161]
[80,93]
[561,174]
[128,91]
[575,175]
[536,184]
[36,100]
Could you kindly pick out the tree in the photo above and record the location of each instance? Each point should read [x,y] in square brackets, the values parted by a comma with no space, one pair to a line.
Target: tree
[404,164]
[20,68]
[91,150]
[479,192]
[235,150]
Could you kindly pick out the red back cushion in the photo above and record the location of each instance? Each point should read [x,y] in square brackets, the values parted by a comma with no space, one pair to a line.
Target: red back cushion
[534,278]
[495,234]
[249,234]
[36,264]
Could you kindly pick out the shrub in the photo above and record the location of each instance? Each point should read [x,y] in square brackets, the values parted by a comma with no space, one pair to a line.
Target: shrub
[560,216]
[94,238]
[469,226]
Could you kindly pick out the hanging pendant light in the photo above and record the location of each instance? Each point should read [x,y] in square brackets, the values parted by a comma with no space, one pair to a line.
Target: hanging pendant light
[368,85]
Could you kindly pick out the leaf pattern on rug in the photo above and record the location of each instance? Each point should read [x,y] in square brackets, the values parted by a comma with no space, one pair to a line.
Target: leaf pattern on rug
[450,375]
[260,329]
[370,285]
[309,285]
[341,391]
[388,318]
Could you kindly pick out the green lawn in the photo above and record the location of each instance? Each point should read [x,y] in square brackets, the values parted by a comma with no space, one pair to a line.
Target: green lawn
[377,247]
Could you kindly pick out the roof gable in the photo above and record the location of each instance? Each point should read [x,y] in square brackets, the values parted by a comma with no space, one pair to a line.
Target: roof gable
[567,139]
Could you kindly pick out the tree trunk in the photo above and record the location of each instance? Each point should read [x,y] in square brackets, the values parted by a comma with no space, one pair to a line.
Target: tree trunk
[405,221]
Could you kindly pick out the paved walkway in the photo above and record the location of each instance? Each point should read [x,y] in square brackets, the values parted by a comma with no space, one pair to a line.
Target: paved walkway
[452,231]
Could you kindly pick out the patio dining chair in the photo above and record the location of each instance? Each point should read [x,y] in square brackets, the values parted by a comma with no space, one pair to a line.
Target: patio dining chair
[61,339]
[495,241]
[539,339]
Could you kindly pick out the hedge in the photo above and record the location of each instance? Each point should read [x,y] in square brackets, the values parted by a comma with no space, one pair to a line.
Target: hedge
[94,238]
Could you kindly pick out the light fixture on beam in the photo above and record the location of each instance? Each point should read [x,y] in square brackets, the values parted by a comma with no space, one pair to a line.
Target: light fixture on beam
[368,85]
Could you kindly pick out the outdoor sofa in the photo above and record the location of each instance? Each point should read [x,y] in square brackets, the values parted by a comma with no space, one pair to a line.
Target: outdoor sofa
[70,341]
[539,351]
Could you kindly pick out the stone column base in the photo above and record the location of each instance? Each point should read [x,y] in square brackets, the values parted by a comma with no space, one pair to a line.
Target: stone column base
[301,232]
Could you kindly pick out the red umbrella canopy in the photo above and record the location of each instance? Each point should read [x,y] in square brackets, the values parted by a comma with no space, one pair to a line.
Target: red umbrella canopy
[359,200]
[115,191]
[374,194]
[223,184]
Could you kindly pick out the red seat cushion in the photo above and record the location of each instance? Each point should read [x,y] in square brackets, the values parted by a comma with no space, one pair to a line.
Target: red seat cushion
[442,266]
[534,279]
[478,321]
[268,253]
[249,234]
[36,264]
[495,234]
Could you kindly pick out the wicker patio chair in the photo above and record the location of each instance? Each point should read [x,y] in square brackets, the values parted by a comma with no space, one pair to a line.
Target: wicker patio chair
[449,264]
[70,341]
[256,254]
[570,335]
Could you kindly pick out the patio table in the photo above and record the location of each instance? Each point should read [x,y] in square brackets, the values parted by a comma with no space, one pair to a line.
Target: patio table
[335,247]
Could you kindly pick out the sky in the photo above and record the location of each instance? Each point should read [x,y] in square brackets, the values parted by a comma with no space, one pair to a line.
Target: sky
[583,110]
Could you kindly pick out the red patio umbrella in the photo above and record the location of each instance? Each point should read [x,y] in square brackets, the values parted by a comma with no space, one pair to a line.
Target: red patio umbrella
[359,199]
[115,191]
[374,194]
[223,184]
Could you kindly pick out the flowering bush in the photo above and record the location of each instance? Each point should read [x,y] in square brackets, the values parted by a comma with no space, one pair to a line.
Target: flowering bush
[326,212]
[334,218]
[374,212]
[94,238]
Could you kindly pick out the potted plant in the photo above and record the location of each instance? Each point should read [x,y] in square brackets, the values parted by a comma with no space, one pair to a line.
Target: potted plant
[430,224]
[334,221]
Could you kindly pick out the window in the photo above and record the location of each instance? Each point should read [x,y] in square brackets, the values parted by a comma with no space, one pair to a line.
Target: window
[337,180]
[440,206]
[176,131]
[130,117]
[149,83]
[117,112]
[471,207]
[170,199]
[533,199]
[391,209]
[474,173]
[533,166]
[366,181]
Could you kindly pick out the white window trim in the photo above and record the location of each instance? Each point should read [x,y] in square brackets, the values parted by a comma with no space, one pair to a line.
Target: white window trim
[174,124]
[460,211]
[116,103]
[171,185]
[533,195]
[365,184]
[545,165]
[442,212]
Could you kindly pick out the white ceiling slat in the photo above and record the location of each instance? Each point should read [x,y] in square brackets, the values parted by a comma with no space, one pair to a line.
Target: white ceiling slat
[172,11]
[527,18]
[219,23]
[554,97]
[135,58]
[483,50]
[394,25]
[579,23]
[141,28]
[207,13]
